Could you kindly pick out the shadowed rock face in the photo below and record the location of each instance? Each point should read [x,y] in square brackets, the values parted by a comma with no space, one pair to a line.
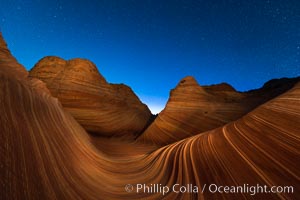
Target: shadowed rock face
[46,154]
[192,109]
[101,108]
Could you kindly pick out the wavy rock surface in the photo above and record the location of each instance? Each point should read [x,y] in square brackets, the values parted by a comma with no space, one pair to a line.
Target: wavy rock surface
[46,154]
[192,108]
[101,108]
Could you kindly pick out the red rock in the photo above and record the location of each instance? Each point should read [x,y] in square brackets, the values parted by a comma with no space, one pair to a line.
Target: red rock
[46,154]
[101,108]
[192,109]
[9,64]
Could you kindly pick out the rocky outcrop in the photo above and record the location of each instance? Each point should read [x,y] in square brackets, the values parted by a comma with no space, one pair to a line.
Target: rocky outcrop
[11,67]
[46,154]
[9,64]
[192,109]
[101,108]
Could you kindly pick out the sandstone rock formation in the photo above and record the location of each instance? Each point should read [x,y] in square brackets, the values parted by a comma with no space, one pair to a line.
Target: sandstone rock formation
[101,108]
[46,154]
[9,64]
[192,109]
[12,68]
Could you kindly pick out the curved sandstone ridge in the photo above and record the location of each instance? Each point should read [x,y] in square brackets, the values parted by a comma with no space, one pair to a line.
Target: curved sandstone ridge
[97,105]
[46,154]
[193,109]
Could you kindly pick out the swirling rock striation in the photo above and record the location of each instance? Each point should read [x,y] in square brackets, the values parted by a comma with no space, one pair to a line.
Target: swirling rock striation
[46,154]
[192,108]
[101,108]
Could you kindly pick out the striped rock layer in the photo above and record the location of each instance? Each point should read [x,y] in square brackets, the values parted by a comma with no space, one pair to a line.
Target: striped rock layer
[192,109]
[97,105]
[46,154]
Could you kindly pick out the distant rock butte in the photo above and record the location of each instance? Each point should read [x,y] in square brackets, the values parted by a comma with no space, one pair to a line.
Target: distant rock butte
[192,109]
[101,108]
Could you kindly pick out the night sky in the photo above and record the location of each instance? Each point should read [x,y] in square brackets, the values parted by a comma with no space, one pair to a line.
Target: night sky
[151,44]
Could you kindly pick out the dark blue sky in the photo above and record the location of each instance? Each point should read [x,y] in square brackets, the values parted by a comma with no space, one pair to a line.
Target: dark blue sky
[151,44]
